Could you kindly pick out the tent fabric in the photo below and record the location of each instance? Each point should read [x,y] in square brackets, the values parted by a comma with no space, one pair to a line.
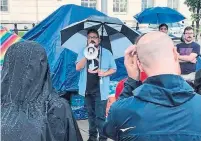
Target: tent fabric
[30,108]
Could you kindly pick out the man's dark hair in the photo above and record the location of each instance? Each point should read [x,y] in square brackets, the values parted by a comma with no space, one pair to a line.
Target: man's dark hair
[93,31]
[162,26]
[188,28]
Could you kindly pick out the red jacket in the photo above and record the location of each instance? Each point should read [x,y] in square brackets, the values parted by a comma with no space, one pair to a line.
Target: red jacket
[120,85]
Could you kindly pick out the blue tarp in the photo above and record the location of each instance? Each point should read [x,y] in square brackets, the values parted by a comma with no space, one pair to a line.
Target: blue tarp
[198,65]
[62,60]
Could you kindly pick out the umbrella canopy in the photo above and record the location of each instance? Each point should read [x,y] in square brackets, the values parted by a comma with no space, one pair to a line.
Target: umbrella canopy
[158,15]
[7,39]
[115,35]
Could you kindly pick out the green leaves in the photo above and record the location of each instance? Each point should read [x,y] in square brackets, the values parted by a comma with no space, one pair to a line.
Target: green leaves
[195,7]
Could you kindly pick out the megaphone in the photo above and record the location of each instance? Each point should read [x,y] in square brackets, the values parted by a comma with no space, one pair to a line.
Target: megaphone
[91,52]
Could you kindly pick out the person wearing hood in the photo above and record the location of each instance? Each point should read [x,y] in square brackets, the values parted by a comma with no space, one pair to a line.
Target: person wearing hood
[30,108]
[162,108]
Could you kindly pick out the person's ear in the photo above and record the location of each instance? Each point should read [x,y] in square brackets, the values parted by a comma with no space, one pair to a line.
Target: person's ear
[140,66]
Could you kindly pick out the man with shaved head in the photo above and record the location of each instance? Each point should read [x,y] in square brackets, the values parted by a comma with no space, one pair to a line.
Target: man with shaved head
[162,108]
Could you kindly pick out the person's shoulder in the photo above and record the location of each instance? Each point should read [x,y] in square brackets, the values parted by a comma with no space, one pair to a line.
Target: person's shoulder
[106,51]
[195,102]
[198,97]
[195,44]
[59,103]
[180,44]
[123,104]
[82,50]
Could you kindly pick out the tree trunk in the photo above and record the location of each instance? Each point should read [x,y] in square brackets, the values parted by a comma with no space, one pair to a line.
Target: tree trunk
[197,20]
[193,21]
[193,24]
[197,29]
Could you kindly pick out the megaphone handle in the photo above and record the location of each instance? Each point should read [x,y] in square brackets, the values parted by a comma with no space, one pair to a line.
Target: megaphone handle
[101,80]
[92,63]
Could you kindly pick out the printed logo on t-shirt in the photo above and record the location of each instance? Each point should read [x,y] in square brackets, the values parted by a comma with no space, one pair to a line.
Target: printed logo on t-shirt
[185,51]
[93,64]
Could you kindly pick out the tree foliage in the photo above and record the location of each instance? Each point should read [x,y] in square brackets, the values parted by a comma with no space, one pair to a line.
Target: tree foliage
[195,7]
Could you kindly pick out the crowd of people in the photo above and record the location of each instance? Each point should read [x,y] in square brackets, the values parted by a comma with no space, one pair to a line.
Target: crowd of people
[164,107]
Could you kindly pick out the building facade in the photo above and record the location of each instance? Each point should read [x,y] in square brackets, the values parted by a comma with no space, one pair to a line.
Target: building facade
[34,11]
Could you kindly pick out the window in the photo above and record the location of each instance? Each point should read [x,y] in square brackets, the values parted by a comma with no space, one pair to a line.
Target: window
[89,3]
[173,4]
[4,5]
[120,6]
[147,4]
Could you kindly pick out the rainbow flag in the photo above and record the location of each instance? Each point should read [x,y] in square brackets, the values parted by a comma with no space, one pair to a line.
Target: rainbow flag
[7,38]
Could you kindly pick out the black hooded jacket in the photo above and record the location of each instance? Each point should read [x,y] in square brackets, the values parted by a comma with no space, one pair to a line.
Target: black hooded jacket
[30,108]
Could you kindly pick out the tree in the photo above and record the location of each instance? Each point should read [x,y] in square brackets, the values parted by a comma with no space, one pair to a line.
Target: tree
[195,8]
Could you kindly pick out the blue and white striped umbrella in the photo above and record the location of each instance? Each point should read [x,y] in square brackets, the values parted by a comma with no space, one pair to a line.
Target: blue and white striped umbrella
[115,35]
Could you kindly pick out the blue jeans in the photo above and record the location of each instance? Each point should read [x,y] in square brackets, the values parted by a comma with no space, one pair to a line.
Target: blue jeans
[96,115]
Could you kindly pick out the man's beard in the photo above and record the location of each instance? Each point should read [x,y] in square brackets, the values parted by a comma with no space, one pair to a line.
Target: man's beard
[189,40]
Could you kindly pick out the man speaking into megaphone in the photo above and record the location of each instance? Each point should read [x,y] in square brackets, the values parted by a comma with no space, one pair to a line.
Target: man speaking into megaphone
[94,81]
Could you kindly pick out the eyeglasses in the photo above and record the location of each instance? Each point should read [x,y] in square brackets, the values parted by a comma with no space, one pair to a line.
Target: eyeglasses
[189,33]
[93,37]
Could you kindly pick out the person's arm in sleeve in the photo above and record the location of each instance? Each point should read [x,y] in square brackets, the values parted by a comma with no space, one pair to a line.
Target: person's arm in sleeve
[112,68]
[61,124]
[129,86]
[177,48]
[192,57]
[81,61]
[110,128]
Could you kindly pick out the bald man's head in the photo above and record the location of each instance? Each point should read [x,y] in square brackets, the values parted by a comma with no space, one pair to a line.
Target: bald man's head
[156,49]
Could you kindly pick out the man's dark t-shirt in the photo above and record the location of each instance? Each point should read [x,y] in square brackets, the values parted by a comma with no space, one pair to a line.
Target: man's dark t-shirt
[93,84]
[187,49]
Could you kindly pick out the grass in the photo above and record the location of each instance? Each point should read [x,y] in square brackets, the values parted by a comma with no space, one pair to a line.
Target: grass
[21,33]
